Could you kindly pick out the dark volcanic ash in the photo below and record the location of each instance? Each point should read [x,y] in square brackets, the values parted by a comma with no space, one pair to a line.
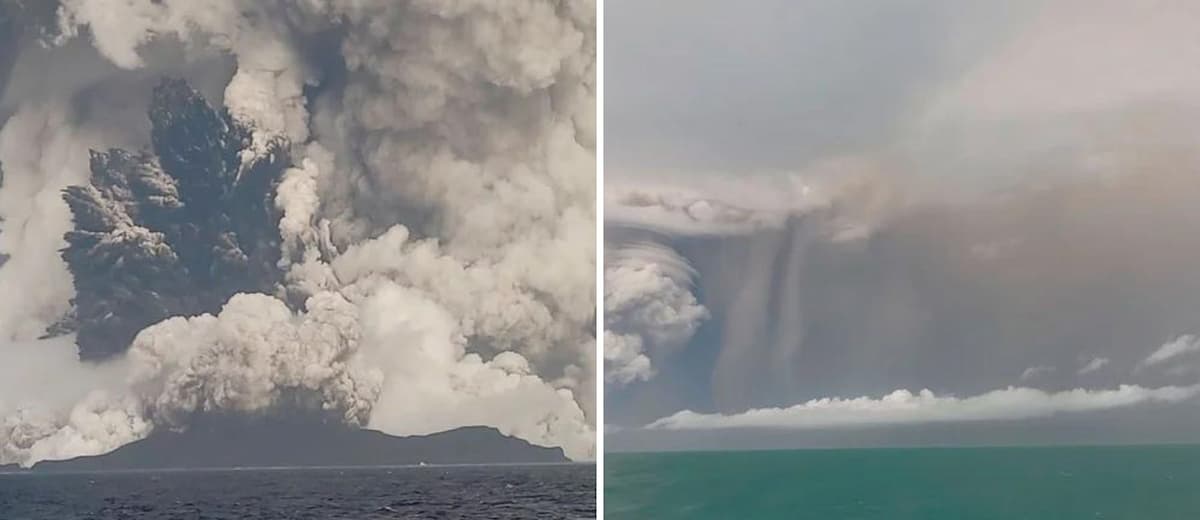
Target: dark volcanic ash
[173,233]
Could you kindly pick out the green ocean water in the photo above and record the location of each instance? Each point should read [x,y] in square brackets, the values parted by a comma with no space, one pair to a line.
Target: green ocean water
[1010,483]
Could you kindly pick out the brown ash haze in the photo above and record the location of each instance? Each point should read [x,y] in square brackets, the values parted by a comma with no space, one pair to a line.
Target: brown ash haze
[835,224]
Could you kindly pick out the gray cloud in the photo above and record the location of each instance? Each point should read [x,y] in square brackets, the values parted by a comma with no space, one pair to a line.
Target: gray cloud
[954,297]
[1180,346]
[1035,372]
[1093,365]
[765,86]
[1018,199]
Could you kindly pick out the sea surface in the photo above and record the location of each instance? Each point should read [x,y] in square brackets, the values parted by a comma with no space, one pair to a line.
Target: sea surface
[1051,483]
[517,492]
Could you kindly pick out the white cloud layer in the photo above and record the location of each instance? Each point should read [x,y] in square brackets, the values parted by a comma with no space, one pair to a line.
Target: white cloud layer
[1093,365]
[904,407]
[1036,371]
[1180,346]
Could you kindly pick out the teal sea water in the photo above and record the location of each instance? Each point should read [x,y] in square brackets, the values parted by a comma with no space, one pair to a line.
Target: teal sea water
[1009,483]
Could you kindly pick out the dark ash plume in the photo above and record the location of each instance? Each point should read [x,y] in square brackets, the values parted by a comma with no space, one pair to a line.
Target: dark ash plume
[173,232]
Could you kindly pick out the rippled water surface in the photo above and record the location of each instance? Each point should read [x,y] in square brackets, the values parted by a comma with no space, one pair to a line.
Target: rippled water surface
[1042,483]
[548,491]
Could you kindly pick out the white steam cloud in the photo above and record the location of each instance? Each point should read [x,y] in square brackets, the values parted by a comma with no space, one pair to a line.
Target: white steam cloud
[438,219]
[1035,372]
[904,407]
[1180,346]
[710,205]
[40,153]
[1093,365]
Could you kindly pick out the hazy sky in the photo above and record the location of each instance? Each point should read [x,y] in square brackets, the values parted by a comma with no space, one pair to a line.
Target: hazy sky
[772,84]
[859,265]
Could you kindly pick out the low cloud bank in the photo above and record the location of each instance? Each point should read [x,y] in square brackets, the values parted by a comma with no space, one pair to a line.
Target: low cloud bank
[904,407]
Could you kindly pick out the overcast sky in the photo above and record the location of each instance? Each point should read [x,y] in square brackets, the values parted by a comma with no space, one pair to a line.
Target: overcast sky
[772,84]
[1063,268]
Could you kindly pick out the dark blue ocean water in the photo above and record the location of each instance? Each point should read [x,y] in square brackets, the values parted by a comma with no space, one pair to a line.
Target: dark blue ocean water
[516,492]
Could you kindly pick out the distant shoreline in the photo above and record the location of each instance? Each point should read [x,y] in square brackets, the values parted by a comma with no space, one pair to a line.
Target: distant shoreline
[235,443]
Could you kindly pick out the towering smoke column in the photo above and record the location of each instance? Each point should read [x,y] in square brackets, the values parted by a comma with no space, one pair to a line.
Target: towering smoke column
[393,211]
[175,233]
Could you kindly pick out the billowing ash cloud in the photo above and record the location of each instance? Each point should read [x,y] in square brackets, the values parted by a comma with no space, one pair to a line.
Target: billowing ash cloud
[385,206]
[649,309]
[1000,198]
[177,232]
[905,407]
[963,294]
[665,240]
